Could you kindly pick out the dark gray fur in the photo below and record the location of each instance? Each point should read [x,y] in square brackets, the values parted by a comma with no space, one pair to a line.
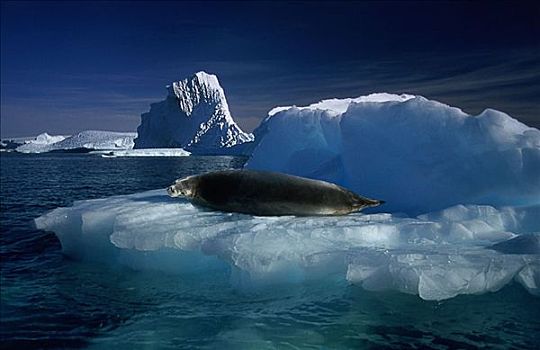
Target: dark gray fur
[268,194]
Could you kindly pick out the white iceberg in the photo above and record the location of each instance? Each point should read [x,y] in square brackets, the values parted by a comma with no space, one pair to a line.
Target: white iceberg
[144,152]
[416,154]
[475,180]
[41,142]
[194,116]
[46,139]
[10,144]
[84,140]
[437,256]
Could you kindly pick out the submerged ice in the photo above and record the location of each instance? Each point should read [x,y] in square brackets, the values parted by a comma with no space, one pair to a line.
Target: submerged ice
[437,255]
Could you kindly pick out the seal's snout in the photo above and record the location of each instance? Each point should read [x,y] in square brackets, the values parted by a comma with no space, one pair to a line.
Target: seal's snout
[170,191]
[181,188]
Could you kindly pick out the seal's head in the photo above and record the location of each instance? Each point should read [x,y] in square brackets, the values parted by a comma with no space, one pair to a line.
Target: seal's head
[183,187]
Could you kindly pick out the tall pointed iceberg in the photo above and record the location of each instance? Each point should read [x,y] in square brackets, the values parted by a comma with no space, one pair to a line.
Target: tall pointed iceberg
[194,116]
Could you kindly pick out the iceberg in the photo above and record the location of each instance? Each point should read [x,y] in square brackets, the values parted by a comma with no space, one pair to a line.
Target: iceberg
[41,142]
[84,140]
[462,193]
[194,116]
[10,144]
[144,152]
[436,256]
[416,154]
[46,139]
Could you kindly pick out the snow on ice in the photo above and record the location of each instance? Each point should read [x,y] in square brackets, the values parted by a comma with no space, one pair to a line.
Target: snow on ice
[145,152]
[89,139]
[194,116]
[416,154]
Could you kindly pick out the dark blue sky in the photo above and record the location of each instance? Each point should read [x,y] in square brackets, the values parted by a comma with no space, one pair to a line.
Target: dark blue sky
[67,67]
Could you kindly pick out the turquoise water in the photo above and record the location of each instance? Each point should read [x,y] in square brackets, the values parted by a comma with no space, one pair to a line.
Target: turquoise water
[49,301]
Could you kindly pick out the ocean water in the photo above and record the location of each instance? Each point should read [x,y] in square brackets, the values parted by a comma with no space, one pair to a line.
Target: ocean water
[50,301]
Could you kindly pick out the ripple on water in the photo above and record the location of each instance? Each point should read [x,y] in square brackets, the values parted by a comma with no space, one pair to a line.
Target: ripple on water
[49,301]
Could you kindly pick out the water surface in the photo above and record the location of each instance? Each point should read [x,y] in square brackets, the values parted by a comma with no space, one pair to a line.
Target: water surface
[49,301]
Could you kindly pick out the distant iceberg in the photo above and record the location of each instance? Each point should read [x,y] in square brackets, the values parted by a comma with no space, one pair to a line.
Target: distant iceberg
[145,152]
[84,140]
[46,139]
[194,116]
[40,143]
[416,154]
[11,143]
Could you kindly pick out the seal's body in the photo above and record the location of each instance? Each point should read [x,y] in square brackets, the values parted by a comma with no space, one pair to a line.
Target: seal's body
[267,194]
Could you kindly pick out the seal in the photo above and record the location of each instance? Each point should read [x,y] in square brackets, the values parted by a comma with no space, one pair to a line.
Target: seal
[268,194]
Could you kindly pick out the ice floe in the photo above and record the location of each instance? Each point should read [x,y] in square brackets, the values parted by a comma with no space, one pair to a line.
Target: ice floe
[437,255]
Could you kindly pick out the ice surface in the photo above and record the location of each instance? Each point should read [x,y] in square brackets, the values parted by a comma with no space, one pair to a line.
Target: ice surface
[195,116]
[89,139]
[437,255]
[46,139]
[145,152]
[339,106]
[424,158]
[416,154]
[42,141]
[10,144]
